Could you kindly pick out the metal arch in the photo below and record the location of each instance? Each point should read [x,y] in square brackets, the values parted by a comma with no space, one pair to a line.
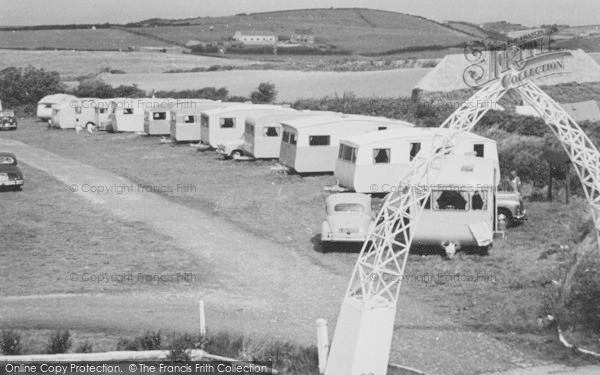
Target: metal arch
[377,275]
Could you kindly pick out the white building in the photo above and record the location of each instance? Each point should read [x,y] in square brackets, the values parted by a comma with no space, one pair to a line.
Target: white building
[256,37]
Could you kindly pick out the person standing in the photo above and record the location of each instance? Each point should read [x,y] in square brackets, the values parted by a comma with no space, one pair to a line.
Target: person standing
[515,182]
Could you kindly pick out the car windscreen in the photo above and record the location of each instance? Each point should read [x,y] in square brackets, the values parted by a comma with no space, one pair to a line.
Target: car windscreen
[6,160]
[348,207]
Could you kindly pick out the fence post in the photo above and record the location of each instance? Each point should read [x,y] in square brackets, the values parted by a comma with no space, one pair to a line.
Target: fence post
[202,319]
[322,344]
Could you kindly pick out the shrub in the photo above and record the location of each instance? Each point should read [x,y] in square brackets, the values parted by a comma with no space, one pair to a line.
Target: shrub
[180,343]
[225,344]
[212,93]
[84,347]
[10,342]
[59,342]
[266,93]
[149,341]
[100,89]
[20,86]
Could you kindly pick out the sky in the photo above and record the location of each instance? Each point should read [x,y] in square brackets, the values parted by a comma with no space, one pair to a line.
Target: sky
[526,12]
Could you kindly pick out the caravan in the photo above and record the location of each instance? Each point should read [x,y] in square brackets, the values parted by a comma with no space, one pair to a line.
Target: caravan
[226,123]
[185,122]
[157,119]
[374,163]
[461,209]
[47,103]
[69,114]
[101,113]
[127,115]
[262,136]
[310,144]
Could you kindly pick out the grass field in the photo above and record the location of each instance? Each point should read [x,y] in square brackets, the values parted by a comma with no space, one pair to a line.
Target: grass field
[47,227]
[291,85]
[357,30]
[72,64]
[507,296]
[80,39]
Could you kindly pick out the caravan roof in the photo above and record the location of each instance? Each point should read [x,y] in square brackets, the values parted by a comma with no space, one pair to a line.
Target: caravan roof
[375,137]
[241,107]
[310,121]
[55,98]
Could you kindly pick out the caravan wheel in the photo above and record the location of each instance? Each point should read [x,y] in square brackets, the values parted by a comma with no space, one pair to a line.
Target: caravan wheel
[236,153]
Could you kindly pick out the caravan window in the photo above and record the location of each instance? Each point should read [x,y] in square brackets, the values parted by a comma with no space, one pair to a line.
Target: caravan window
[293,138]
[189,119]
[103,110]
[159,115]
[381,155]
[128,111]
[318,140]
[271,131]
[347,153]
[286,137]
[450,200]
[479,201]
[228,122]
[382,128]
[478,148]
[414,149]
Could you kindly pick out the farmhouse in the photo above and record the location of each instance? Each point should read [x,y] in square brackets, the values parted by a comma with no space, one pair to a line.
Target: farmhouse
[303,36]
[375,162]
[310,144]
[256,38]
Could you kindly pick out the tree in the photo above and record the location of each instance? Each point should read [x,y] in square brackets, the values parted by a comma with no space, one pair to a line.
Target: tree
[20,86]
[266,93]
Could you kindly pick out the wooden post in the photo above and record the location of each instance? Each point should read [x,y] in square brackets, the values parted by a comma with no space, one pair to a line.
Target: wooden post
[202,319]
[322,344]
[568,183]
[549,181]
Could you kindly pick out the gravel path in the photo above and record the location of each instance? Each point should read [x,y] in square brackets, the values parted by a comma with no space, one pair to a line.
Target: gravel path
[264,289]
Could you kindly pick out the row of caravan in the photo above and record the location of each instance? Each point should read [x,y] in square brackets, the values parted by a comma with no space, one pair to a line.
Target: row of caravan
[366,154]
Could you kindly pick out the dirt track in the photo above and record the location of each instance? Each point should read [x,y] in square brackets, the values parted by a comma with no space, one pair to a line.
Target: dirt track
[258,282]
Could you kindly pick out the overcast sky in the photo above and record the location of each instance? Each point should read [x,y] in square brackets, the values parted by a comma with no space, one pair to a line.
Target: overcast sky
[527,12]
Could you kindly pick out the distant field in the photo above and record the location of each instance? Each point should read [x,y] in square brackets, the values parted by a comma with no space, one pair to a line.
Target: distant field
[100,39]
[79,63]
[358,30]
[291,85]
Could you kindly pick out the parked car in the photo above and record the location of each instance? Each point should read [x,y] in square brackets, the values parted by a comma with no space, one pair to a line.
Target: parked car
[8,120]
[10,173]
[231,149]
[349,218]
[510,204]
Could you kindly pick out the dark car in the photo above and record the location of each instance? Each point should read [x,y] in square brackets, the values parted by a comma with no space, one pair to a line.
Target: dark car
[8,120]
[10,173]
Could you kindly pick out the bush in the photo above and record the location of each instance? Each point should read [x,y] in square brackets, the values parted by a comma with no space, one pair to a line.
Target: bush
[59,342]
[180,343]
[149,341]
[10,342]
[102,90]
[21,86]
[204,93]
[266,93]
[85,347]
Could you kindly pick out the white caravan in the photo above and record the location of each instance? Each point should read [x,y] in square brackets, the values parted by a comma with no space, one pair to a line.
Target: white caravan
[310,144]
[462,204]
[47,103]
[185,122]
[157,119]
[69,114]
[375,162]
[226,123]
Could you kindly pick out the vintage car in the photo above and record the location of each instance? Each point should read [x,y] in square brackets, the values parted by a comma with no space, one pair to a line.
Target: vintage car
[510,204]
[10,173]
[349,218]
[8,120]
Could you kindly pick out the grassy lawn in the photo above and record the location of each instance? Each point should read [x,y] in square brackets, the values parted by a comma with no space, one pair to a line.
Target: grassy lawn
[54,241]
[501,294]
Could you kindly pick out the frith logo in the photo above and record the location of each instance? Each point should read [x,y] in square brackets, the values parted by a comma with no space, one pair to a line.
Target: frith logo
[527,57]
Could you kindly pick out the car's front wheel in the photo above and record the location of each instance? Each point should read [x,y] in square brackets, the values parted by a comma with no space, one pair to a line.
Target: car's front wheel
[508,215]
[236,154]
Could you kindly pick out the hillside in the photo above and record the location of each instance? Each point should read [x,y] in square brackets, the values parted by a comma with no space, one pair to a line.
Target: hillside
[357,30]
